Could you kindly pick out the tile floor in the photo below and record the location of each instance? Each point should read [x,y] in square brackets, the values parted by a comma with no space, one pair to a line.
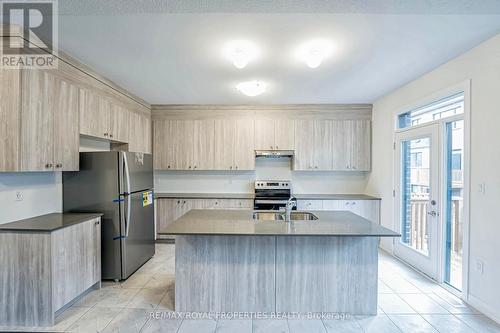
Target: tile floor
[408,302]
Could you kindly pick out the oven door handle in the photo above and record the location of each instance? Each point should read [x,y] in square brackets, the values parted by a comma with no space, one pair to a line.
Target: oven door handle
[270,201]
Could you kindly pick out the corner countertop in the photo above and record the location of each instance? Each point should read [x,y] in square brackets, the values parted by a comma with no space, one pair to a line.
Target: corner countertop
[240,222]
[300,196]
[48,222]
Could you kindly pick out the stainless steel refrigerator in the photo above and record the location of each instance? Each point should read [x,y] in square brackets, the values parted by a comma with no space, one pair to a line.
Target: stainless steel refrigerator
[119,185]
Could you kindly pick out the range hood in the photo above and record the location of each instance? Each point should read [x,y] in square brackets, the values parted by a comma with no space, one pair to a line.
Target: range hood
[274,153]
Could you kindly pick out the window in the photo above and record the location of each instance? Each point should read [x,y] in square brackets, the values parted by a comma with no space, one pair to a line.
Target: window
[443,108]
[416,160]
[456,159]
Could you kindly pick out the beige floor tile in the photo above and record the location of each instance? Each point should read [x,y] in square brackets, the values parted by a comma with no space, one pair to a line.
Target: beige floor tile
[342,326]
[168,301]
[393,304]
[412,324]
[377,324]
[480,323]
[197,326]
[448,324]
[128,321]
[232,326]
[146,299]
[270,326]
[161,326]
[423,304]
[118,298]
[306,326]
[95,320]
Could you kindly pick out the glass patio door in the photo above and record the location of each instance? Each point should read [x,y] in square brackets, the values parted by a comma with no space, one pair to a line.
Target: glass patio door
[417,197]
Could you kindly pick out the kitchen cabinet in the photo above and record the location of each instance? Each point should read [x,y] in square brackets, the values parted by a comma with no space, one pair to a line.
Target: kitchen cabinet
[184,144]
[313,145]
[94,114]
[234,144]
[119,127]
[369,209]
[352,145]
[304,145]
[102,118]
[274,134]
[139,132]
[170,209]
[49,138]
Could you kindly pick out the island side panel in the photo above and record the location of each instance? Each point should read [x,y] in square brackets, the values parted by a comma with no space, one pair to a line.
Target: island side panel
[225,273]
[327,274]
[25,277]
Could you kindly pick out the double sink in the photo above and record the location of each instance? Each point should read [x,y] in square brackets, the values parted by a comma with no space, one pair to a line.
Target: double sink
[280,216]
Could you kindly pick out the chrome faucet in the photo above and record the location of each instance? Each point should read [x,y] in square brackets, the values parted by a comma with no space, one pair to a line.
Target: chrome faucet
[288,208]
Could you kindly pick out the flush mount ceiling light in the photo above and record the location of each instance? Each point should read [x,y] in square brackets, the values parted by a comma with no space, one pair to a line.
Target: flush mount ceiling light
[251,88]
[314,52]
[241,52]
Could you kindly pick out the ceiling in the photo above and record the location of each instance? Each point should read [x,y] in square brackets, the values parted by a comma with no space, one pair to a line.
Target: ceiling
[174,57]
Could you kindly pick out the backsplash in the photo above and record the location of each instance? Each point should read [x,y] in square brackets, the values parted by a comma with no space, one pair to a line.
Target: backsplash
[243,182]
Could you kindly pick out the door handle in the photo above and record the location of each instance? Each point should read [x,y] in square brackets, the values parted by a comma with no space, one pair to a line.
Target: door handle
[432,213]
[127,175]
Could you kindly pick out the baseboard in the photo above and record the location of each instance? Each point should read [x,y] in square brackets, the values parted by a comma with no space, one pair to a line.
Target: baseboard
[484,308]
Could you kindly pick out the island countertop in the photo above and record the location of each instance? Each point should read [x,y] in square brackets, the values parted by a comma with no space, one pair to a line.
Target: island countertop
[241,222]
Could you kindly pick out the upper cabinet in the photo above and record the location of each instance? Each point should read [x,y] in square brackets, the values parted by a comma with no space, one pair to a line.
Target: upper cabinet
[140,132]
[234,144]
[274,134]
[353,139]
[40,114]
[102,118]
[332,145]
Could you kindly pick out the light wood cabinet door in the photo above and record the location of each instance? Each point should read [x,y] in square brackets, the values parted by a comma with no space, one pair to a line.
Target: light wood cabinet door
[119,118]
[37,122]
[244,154]
[310,204]
[284,134]
[323,145]
[139,133]
[94,114]
[225,132]
[166,210]
[264,134]
[66,121]
[163,156]
[360,145]
[369,209]
[304,145]
[204,144]
[97,250]
[183,145]
[341,150]
[10,95]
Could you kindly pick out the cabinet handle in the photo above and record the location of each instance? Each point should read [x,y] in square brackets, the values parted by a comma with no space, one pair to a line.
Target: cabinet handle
[96,223]
[354,167]
[189,167]
[354,202]
[277,147]
[236,167]
[59,165]
[271,147]
[111,135]
[178,201]
[316,167]
[231,167]
[105,134]
[195,167]
[168,166]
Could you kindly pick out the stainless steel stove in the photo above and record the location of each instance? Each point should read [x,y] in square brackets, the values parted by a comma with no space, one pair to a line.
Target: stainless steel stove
[272,194]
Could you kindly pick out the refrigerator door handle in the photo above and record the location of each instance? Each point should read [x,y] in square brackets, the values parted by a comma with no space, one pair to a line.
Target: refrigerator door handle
[127,176]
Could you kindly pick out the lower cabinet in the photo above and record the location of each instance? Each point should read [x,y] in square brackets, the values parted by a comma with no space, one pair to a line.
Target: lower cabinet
[46,271]
[369,209]
[170,209]
[76,260]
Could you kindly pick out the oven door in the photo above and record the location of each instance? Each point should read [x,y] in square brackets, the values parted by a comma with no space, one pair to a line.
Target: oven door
[269,204]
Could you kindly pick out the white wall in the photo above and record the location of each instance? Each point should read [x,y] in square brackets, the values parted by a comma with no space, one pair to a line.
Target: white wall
[243,182]
[41,194]
[482,66]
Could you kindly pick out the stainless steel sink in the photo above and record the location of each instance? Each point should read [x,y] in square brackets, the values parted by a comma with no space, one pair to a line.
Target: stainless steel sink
[275,216]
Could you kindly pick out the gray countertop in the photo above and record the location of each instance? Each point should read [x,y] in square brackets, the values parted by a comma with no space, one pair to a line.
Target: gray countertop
[300,196]
[205,195]
[48,222]
[240,222]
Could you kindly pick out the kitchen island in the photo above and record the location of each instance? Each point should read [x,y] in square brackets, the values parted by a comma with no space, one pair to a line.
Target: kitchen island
[227,261]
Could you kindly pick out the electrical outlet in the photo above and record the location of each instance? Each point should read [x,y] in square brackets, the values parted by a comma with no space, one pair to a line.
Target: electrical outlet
[480,266]
[19,196]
